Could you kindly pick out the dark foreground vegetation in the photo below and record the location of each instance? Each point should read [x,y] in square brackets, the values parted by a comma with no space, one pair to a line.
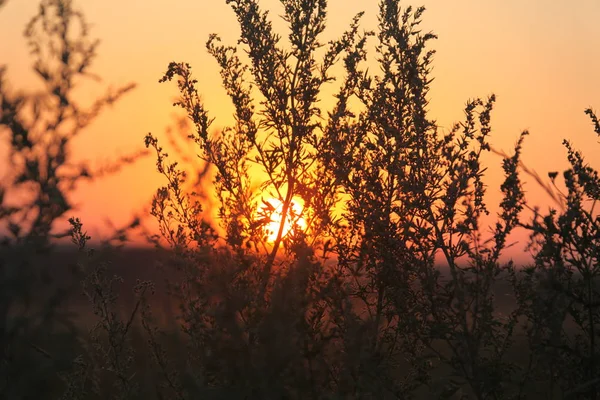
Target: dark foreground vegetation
[346,298]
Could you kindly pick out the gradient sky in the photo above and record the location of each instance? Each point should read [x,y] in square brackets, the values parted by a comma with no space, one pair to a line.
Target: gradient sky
[540,57]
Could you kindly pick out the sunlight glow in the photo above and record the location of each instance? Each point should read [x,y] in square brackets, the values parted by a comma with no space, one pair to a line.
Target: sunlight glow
[272,209]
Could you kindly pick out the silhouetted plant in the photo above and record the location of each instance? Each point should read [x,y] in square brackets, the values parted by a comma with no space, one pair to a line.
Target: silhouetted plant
[372,316]
[34,193]
[107,369]
[245,307]
[41,126]
[559,293]
[414,194]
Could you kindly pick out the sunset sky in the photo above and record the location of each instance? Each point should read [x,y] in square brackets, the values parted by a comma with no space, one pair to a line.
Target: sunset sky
[541,58]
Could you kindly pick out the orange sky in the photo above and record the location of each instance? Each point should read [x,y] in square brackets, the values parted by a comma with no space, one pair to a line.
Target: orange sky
[541,58]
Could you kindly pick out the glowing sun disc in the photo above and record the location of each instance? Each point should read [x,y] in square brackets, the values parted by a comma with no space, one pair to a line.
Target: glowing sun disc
[293,217]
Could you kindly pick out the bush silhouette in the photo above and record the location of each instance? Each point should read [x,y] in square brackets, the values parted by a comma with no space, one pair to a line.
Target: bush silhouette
[34,196]
[352,304]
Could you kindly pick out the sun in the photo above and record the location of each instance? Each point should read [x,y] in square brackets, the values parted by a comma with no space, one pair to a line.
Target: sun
[272,209]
